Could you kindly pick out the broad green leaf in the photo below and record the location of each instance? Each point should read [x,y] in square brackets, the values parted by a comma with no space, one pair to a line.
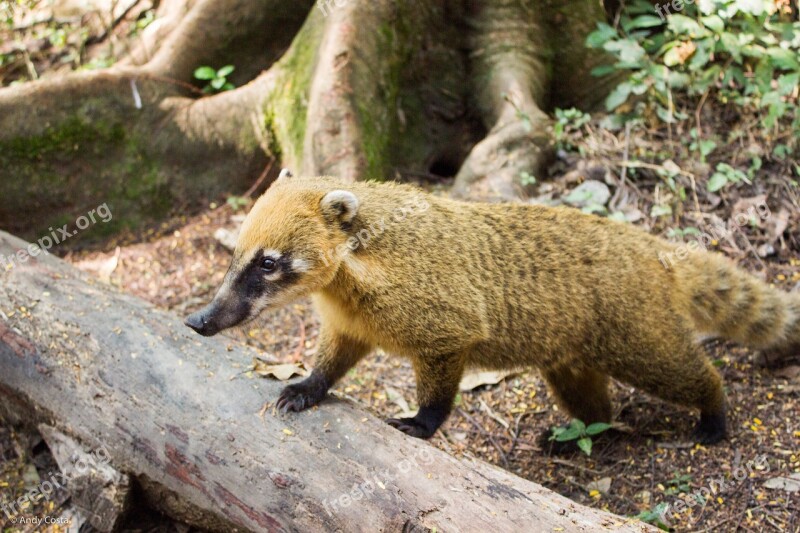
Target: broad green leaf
[752,7]
[729,43]
[568,434]
[763,75]
[702,54]
[787,83]
[585,444]
[713,22]
[603,70]
[783,58]
[771,98]
[601,35]
[205,73]
[660,210]
[642,21]
[217,83]
[597,427]
[225,71]
[681,24]
[706,146]
[678,80]
[577,424]
[628,50]
[618,96]
[717,181]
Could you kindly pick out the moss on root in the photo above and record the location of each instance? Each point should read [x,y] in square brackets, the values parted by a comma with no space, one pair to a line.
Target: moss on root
[73,167]
[286,112]
[378,122]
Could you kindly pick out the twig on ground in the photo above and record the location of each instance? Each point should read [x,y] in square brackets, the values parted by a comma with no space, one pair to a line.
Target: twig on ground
[485,434]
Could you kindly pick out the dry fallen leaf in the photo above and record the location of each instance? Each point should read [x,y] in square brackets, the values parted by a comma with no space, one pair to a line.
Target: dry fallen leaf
[602,486]
[788,484]
[396,397]
[477,379]
[280,372]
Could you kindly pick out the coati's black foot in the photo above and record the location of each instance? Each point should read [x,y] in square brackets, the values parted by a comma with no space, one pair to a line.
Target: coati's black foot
[710,430]
[424,424]
[300,396]
[411,427]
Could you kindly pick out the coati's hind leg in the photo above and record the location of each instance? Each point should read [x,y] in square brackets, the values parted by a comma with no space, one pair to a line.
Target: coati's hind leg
[438,377]
[583,393]
[687,378]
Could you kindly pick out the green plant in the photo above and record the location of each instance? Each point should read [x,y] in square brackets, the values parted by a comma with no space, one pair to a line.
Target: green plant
[725,174]
[679,483]
[237,202]
[703,146]
[580,433]
[653,516]
[678,233]
[527,179]
[144,20]
[742,52]
[217,79]
[568,121]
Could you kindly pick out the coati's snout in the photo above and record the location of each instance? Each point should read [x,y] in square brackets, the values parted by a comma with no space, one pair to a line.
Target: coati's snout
[214,318]
[226,310]
[249,287]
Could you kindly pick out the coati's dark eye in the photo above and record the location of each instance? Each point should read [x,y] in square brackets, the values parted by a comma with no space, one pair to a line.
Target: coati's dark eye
[269,265]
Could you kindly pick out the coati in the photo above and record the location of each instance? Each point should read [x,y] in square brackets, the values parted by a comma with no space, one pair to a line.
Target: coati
[453,285]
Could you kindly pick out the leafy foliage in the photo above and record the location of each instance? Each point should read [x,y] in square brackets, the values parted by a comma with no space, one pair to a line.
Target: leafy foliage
[653,516]
[678,484]
[580,433]
[742,52]
[568,120]
[217,79]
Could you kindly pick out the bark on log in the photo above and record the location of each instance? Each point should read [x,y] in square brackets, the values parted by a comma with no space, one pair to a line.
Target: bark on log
[176,413]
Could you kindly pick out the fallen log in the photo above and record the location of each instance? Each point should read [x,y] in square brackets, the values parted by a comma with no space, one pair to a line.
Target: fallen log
[175,413]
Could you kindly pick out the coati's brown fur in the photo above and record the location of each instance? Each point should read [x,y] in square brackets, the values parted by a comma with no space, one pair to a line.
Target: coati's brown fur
[455,285]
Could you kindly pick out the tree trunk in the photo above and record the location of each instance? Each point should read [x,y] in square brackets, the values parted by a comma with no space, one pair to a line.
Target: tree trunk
[379,89]
[177,414]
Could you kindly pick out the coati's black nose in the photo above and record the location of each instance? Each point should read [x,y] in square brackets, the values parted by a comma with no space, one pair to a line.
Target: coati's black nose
[199,322]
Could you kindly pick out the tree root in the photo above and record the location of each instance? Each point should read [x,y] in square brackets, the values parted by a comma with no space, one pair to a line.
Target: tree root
[378,90]
[510,76]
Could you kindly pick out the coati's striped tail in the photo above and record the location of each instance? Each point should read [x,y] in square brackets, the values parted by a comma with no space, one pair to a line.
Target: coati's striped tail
[733,304]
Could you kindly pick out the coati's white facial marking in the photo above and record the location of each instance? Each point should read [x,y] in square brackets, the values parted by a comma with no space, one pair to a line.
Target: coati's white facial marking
[300,265]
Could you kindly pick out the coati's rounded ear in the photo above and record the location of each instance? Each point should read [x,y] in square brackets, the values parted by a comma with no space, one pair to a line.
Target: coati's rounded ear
[340,205]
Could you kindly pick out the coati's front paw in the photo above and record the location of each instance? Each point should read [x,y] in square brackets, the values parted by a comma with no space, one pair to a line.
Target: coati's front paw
[303,395]
[710,430]
[412,427]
